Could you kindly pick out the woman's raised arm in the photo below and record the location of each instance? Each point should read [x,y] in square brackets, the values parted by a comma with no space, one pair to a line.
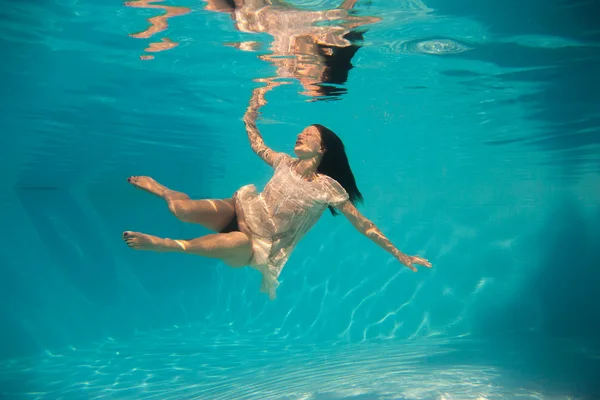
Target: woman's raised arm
[256,141]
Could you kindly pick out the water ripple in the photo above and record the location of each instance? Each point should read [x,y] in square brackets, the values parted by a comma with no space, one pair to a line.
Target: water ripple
[429,46]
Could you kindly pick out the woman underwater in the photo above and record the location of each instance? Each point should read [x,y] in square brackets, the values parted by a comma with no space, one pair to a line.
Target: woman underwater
[262,229]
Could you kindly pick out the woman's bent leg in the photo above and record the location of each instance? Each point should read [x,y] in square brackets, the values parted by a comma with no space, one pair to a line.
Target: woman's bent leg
[234,248]
[212,214]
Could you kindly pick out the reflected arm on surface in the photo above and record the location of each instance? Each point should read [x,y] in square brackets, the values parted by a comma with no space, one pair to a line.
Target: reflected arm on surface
[355,22]
[256,141]
[367,228]
[348,4]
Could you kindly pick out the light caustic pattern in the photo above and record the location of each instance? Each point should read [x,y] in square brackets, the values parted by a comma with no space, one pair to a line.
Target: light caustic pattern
[195,364]
[365,295]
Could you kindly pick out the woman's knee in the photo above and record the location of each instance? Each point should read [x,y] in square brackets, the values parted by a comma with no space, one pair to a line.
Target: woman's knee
[180,208]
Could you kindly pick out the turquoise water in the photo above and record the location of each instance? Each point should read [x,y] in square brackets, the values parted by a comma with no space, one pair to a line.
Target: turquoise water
[472,130]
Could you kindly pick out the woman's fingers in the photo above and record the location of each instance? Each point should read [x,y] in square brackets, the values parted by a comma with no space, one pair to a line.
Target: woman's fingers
[421,261]
[408,261]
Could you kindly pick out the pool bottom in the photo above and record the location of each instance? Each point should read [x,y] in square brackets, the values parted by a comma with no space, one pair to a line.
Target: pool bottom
[188,363]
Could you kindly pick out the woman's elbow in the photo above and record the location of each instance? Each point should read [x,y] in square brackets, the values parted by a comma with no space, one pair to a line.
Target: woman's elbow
[368,229]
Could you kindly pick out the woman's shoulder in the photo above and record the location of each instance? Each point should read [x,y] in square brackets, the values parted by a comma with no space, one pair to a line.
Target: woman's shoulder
[335,192]
[329,181]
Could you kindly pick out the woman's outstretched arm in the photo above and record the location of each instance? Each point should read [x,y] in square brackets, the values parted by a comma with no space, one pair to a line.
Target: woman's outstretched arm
[367,228]
[256,141]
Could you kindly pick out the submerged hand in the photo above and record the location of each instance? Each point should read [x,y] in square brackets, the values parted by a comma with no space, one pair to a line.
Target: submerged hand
[410,260]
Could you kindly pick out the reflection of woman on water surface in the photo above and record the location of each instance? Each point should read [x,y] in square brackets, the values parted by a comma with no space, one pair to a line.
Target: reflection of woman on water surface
[314,47]
[262,229]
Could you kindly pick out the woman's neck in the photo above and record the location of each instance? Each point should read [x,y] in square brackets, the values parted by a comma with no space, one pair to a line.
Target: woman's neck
[307,168]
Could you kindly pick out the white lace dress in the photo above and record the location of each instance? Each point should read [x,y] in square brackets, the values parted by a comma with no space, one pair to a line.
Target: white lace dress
[276,219]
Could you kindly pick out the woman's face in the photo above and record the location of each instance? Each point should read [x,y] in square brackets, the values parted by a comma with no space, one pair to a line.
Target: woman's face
[308,144]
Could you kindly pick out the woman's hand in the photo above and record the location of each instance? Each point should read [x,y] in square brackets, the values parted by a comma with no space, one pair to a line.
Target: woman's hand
[410,260]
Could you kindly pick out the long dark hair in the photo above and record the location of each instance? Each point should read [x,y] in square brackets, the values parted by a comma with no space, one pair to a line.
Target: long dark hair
[335,164]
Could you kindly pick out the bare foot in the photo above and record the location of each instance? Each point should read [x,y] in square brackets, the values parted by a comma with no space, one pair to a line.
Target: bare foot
[148,184]
[141,241]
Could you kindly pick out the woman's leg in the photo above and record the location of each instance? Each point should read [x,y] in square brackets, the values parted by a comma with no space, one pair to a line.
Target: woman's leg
[233,248]
[212,214]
